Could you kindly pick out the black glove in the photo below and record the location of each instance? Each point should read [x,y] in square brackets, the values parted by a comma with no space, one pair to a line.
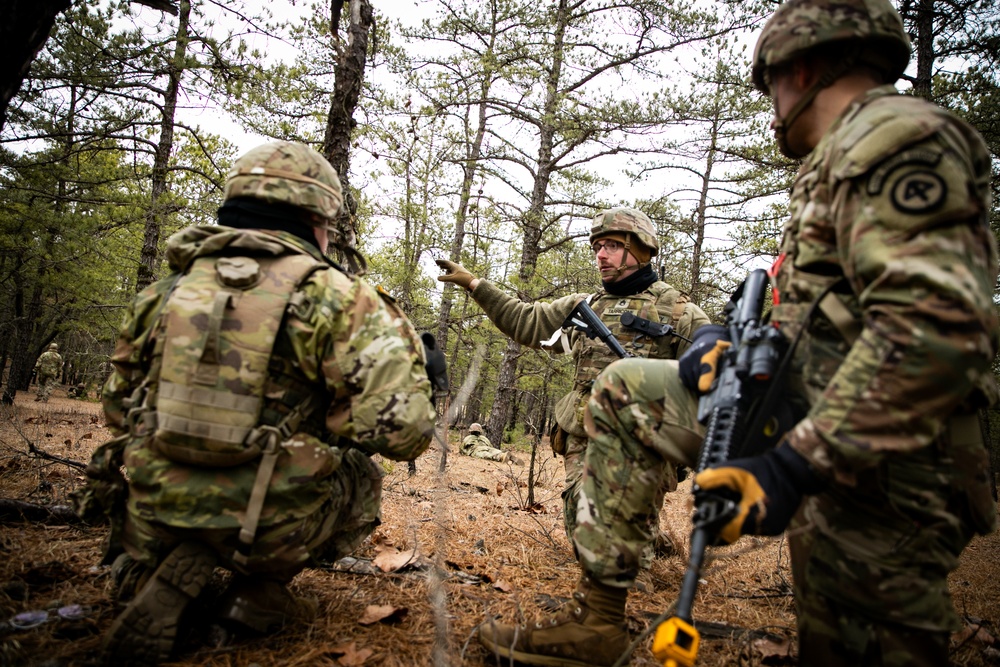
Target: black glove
[696,366]
[436,366]
[769,489]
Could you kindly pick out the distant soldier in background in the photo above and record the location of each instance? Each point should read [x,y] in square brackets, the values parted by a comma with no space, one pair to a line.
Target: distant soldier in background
[478,445]
[48,368]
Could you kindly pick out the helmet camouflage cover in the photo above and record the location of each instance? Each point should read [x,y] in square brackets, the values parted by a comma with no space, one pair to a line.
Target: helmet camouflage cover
[53,346]
[283,172]
[628,220]
[800,25]
[475,428]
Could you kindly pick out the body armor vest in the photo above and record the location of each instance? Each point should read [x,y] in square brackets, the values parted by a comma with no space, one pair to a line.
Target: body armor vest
[219,326]
[659,303]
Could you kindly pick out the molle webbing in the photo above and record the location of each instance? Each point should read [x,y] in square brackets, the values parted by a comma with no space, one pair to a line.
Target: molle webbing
[221,323]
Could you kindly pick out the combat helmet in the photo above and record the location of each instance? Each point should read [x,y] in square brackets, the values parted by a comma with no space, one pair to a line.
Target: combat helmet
[53,346]
[800,25]
[631,224]
[475,428]
[872,29]
[284,172]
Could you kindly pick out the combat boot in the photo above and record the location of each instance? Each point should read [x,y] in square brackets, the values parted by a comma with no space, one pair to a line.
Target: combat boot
[263,606]
[146,631]
[587,630]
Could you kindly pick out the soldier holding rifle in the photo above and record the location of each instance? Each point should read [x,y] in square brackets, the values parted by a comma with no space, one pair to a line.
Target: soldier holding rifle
[887,268]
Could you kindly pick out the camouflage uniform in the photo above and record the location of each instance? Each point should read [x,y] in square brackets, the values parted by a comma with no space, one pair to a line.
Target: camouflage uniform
[321,486]
[49,367]
[531,323]
[889,210]
[479,445]
[256,351]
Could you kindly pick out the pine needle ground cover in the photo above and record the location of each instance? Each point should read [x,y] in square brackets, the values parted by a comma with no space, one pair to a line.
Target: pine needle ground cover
[454,548]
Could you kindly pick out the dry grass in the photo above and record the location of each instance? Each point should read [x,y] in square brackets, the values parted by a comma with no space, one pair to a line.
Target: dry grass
[482,552]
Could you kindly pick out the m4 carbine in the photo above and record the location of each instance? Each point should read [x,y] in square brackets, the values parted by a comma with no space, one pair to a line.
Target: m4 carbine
[586,320]
[738,414]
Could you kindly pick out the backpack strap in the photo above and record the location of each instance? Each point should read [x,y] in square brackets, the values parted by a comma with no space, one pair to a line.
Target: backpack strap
[269,439]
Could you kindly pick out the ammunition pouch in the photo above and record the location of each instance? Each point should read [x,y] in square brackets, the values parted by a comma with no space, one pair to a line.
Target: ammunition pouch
[557,440]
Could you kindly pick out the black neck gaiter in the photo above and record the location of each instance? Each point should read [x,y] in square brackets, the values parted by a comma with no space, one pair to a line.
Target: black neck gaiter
[635,283]
[248,213]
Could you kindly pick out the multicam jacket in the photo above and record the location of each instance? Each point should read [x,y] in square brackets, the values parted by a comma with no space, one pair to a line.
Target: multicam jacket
[532,323]
[481,447]
[49,364]
[891,209]
[340,341]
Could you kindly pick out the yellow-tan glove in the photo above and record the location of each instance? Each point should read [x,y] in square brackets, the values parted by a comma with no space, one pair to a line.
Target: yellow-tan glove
[454,273]
[698,365]
[769,489]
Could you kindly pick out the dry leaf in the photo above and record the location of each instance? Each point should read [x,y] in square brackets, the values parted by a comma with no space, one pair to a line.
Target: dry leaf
[502,585]
[772,651]
[975,632]
[382,613]
[391,560]
[349,655]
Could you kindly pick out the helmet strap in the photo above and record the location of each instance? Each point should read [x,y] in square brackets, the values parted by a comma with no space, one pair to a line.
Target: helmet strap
[829,75]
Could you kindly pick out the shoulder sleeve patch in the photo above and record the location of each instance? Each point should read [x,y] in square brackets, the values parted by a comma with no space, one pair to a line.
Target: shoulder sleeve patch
[920,191]
[921,156]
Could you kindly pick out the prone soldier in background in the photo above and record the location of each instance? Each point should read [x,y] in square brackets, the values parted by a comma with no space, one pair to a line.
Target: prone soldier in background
[887,268]
[478,445]
[251,387]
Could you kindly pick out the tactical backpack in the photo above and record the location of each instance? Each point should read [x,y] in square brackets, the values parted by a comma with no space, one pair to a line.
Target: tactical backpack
[201,403]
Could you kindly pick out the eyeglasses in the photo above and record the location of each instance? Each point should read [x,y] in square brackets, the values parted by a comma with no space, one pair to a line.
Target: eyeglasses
[610,247]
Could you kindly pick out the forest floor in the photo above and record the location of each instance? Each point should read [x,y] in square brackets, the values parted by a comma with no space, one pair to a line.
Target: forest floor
[453,549]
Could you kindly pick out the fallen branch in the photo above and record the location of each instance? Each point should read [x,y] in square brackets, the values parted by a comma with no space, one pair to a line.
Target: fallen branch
[18,511]
[42,454]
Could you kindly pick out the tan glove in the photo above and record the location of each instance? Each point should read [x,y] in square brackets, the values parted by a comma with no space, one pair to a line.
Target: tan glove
[456,273]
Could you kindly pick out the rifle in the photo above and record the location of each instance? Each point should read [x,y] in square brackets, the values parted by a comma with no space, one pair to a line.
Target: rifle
[744,388]
[586,320]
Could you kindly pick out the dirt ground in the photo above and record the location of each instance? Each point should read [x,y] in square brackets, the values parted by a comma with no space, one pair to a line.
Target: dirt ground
[454,548]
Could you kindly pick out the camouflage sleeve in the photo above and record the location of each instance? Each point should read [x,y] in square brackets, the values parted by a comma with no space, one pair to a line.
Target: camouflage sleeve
[691,320]
[526,323]
[914,245]
[137,327]
[372,361]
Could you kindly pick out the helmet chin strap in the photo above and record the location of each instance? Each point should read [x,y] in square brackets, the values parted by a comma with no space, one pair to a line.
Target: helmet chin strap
[621,267]
[782,126]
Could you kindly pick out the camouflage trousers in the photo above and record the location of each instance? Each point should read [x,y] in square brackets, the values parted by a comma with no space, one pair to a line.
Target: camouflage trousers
[281,550]
[576,447]
[870,564]
[46,383]
[640,421]
[485,452]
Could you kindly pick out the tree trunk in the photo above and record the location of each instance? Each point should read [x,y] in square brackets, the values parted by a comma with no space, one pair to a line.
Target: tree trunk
[25,28]
[155,218]
[346,91]
[507,378]
[925,49]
